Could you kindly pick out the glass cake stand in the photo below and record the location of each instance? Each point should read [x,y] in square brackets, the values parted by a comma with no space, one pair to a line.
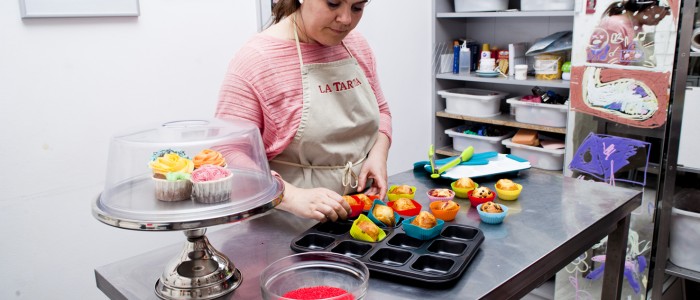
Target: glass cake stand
[136,198]
[199,271]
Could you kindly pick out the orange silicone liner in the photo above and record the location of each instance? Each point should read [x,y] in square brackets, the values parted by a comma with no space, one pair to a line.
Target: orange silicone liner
[443,214]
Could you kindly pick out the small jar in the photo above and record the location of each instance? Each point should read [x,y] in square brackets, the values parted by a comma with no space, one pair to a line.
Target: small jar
[520,72]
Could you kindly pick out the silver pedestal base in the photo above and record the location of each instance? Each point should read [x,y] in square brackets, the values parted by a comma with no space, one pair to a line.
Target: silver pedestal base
[199,272]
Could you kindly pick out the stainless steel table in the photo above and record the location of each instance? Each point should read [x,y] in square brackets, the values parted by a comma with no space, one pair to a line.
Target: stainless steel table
[555,220]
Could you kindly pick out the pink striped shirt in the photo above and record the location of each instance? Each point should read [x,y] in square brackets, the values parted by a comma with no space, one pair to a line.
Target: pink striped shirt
[263,85]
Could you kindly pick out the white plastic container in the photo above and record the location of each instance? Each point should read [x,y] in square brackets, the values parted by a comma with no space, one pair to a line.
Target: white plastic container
[528,5]
[684,239]
[553,115]
[547,159]
[480,5]
[461,141]
[472,102]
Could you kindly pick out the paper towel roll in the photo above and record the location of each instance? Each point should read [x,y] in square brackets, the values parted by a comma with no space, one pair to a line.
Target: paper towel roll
[695,40]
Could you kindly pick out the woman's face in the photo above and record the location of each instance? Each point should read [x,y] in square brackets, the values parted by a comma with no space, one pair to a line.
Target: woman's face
[653,15]
[328,22]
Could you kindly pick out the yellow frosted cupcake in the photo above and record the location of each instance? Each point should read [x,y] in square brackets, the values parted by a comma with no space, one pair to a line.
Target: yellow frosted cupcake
[171,175]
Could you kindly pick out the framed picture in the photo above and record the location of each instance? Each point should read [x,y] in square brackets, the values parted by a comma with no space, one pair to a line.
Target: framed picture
[78,8]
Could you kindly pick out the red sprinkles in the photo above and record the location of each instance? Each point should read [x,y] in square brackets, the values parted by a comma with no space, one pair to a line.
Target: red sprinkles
[318,292]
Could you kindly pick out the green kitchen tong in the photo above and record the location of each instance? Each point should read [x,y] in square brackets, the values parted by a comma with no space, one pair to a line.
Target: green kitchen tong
[465,156]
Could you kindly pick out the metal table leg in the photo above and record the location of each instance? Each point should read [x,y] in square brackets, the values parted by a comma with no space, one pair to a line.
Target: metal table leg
[615,260]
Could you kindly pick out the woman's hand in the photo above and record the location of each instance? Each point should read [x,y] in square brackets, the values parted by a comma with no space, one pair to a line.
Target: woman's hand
[375,168]
[318,203]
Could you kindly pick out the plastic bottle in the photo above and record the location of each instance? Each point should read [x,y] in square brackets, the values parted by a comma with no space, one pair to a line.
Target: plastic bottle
[485,53]
[464,59]
[455,61]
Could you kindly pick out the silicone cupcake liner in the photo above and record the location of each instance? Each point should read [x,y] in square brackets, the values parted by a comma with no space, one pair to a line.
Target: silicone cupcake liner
[365,208]
[443,214]
[166,190]
[462,192]
[370,215]
[213,191]
[407,212]
[358,234]
[476,201]
[507,194]
[433,198]
[492,218]
[419,232]
[394,197]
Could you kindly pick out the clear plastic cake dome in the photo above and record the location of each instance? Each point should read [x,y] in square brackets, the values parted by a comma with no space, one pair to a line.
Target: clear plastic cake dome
[186,174]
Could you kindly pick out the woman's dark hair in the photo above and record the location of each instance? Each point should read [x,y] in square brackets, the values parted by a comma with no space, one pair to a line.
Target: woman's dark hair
[284,8]
[618,8]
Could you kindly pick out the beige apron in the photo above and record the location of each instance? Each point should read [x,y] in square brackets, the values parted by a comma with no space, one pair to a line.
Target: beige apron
[339,125]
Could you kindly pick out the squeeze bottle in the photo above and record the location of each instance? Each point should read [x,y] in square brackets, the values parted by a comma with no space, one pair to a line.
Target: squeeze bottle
[455,60]
[464,59]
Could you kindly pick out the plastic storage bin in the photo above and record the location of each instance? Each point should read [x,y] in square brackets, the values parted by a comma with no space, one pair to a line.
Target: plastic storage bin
[461,141]
[472,102]
[480,5]
[526,5]
[547,159]
[554,115]
[685,230]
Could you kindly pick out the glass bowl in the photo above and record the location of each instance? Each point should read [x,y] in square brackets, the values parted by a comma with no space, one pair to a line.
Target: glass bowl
[315,272]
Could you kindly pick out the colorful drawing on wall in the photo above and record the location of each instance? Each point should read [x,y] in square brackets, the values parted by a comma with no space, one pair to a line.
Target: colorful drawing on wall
[602,156]
[632,97]
[622,70]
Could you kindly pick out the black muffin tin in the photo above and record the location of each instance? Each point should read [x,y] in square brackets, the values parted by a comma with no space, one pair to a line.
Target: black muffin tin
[438,260]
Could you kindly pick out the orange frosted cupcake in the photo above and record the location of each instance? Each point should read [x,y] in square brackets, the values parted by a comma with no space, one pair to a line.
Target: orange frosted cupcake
[209,157]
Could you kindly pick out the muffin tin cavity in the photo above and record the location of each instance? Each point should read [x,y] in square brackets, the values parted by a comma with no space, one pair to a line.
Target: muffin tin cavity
[335,228]
[433,264]
[352,249]
[460,232]
[446,247]
[391,257]
[315,242]
[402,240]
[439,260]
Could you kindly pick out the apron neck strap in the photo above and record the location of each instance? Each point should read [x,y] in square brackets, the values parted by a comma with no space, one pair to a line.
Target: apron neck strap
[296,40]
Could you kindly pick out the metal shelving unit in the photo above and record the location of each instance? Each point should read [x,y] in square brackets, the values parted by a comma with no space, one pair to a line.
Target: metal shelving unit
[495,28]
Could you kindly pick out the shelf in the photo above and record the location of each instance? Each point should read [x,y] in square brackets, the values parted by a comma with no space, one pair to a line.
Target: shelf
[505,120]
[694,54]
[677,271]
[506,14]
[530,81]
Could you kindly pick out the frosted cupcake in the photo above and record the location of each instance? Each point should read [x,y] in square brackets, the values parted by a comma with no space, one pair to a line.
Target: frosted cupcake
[208,157]
[211,184]
[171,174]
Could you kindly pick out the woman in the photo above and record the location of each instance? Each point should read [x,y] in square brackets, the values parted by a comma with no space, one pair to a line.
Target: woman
[619,38]
[309,83]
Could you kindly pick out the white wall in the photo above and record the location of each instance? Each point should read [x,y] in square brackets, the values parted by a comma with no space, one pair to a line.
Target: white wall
[67,85]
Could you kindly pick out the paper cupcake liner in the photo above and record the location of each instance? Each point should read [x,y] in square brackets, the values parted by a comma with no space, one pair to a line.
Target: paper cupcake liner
[419,232]
[462,192]
[359,235]
[443,214]
[172,190]
[492,218]
[213,191]
[394,197]
[370,215]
